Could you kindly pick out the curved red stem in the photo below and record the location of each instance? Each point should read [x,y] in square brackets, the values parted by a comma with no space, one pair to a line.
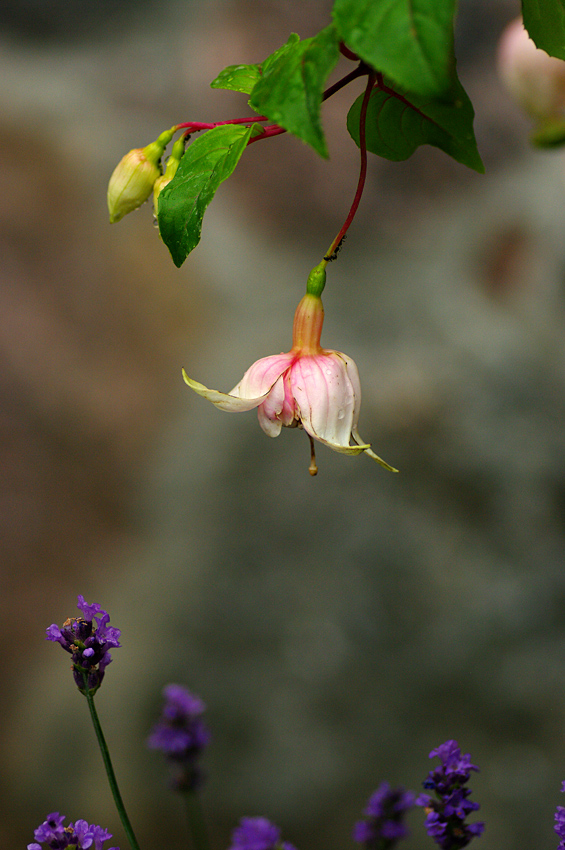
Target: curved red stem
[362,170]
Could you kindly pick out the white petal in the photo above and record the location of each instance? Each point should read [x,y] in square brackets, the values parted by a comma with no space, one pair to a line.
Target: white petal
[271,427]
[269,412]
[339,447]
[224,401]
[353,375]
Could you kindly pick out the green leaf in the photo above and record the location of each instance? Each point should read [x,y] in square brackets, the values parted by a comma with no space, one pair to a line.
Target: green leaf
[397,125]
[207,162]
[411,41]
[545,22]
[237,78]
[281,51]
[244,77]
[290,90]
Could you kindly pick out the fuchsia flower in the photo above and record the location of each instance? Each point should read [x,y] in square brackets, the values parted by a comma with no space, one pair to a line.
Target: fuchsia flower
[310,387]
[535,80]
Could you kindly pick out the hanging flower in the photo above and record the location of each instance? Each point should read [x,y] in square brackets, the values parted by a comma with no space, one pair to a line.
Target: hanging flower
[309,387]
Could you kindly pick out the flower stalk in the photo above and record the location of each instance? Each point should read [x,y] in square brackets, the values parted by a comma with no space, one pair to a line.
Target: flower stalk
[128,829]
[196,821]
[331,253]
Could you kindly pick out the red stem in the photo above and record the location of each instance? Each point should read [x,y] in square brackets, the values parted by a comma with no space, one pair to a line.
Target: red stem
[363,168]
[361,71]
[196,126]
[273,129]
[349,54]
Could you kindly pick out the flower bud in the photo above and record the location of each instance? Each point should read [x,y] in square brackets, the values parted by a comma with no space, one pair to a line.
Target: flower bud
[173,163]
[134,176]
[534,79]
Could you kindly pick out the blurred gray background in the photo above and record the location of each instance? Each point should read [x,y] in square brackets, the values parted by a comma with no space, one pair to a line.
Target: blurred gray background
[339,627]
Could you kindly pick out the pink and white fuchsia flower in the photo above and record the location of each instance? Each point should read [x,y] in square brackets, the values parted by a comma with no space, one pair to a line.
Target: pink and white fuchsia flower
[309,386]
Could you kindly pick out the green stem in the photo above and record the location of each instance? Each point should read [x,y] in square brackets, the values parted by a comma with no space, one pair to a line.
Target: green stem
[196,822]
[109,769]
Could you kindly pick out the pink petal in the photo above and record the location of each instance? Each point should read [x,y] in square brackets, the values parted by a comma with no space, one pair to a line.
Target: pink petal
[262,375]
[326,399]
[279,407]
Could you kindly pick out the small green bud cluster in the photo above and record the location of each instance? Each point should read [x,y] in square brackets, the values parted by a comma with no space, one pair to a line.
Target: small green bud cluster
[173,163]
[135,176]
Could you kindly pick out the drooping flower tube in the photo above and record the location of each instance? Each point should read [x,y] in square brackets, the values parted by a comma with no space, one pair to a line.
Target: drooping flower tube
[311,387]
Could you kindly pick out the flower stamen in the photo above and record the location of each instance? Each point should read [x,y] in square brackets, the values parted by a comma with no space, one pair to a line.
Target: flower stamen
[313,468]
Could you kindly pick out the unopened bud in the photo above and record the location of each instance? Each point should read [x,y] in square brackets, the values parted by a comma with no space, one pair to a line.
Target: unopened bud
[134,176]
[173,163]
[535,80]
[316,280]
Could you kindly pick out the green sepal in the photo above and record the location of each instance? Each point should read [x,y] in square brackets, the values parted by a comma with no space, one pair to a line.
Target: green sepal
[292,82]
[545,23]
[238,78]
[155,150]
[206,163]
[396,126]
[411,41]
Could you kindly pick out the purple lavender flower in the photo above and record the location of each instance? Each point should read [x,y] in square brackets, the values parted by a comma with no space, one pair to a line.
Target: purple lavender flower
[88,639]
[79,835]
[385,815]
[446,813]
[258,834]
[560,822]
[182,735]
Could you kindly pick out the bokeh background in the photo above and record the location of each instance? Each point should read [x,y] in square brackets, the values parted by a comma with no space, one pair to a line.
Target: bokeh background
[340,627]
